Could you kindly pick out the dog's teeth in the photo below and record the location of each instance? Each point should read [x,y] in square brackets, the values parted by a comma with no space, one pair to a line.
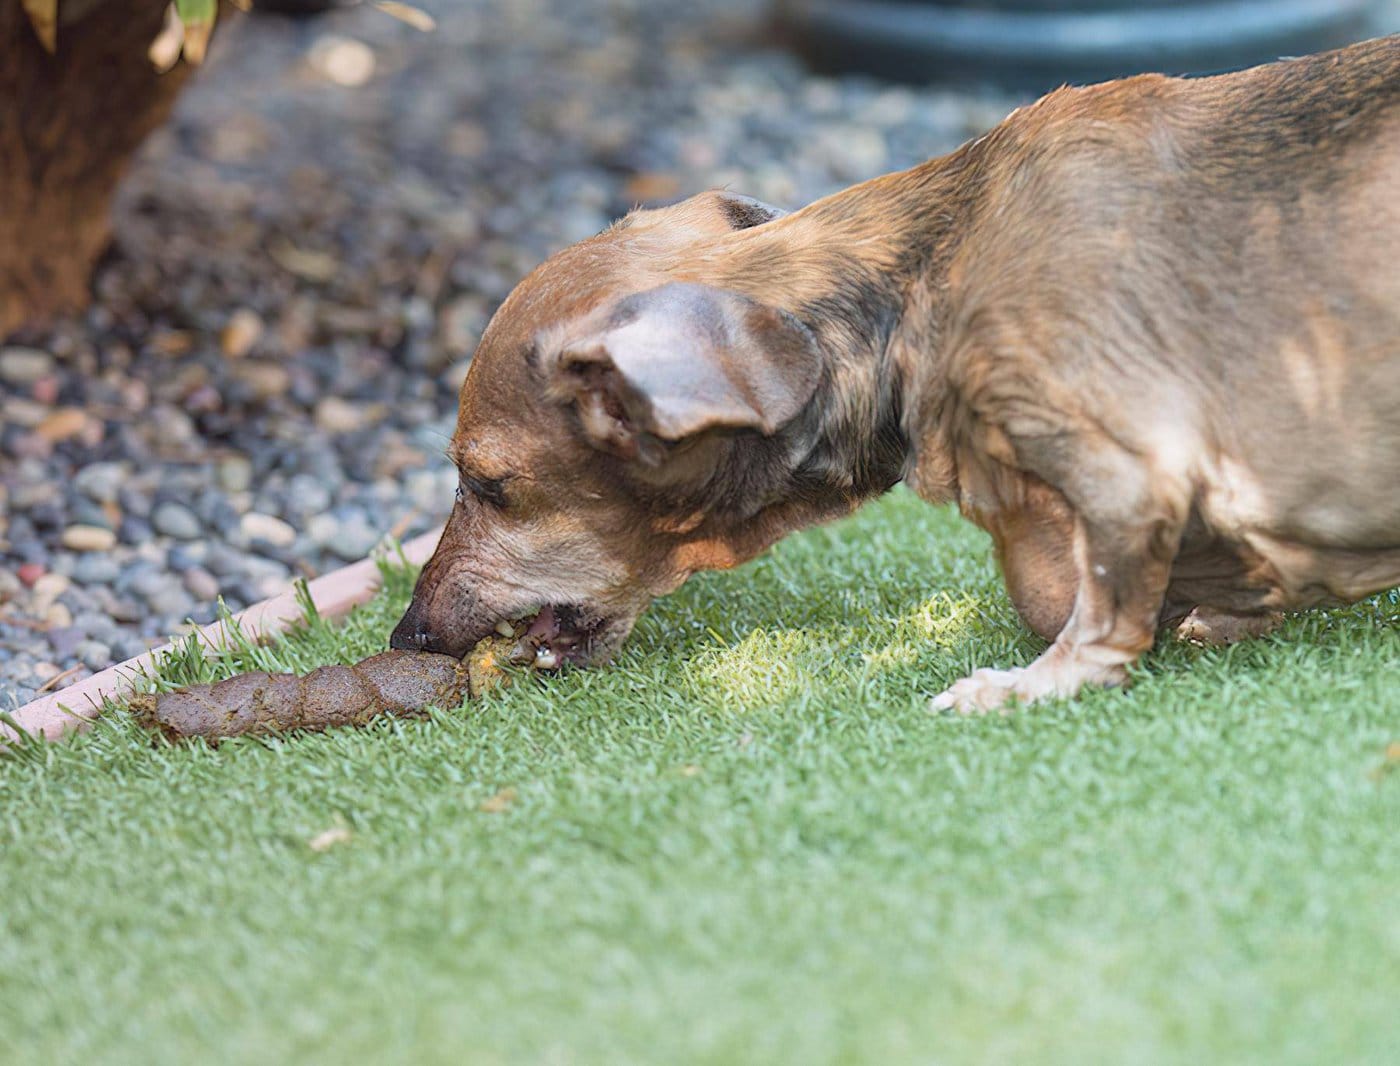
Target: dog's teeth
[505,629]
[546,658]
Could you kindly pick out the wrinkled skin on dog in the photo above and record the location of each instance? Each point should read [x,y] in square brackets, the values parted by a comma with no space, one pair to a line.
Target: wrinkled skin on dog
[1147,334]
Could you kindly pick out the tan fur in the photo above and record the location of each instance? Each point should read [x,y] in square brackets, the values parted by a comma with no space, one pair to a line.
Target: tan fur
[1146,333]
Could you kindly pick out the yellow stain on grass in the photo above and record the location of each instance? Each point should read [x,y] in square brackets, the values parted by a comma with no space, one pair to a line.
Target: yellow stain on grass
[774,665]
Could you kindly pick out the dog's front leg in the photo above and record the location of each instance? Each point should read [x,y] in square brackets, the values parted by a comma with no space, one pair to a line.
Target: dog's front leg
[1122,567]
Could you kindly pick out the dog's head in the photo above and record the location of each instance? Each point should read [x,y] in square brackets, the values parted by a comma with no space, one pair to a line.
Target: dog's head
[607,435]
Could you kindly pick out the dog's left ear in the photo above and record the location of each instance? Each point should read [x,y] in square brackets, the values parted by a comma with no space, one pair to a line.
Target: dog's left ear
[680,360]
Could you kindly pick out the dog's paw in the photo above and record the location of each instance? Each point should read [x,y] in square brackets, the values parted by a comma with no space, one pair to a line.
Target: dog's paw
[986,690]
[1056,673]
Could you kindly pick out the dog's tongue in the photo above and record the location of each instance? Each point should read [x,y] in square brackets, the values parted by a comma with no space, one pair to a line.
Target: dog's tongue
[544,626]
[534,645]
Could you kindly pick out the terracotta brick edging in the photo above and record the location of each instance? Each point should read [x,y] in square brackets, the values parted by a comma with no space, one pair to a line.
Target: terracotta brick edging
[73,709]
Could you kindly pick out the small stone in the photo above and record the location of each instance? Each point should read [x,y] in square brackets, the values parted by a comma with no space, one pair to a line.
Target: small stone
[321,528]
[88,539]
[95,568]
[201,584]
[28,496]
[187,555]
[266,380]
[176,520]
[64,640]
[94,654]
[45,672]
[466,138]
[213,510]
[65,424]
[235,473]
[173,427]
[45,390]
[258,526]
[10,586]
[24,366]
[57,615]
[23,413]
[203,399]
[101,482]
[134,530]
[267,587]
[461,323]
[48,516]
[352,541]
[48,588]
[307,494]
[651,186]
[22,694]
[395,456]
[342,60]
[30,573]
[83,512]
[129,648]
[306,263]
[454,375]
[170,600]
[243,330]
[95,625]
[335,415]
[850,151]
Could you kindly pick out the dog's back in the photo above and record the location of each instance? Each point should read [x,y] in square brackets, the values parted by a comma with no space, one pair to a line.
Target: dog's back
[1199,263]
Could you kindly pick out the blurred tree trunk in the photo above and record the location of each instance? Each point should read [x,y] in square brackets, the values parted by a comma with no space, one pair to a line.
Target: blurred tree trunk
[69,123]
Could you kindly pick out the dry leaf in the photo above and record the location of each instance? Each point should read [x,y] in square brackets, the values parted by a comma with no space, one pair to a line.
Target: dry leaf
[198,17]
[324,841]
[689,770]
[418,19]
[500,802]
[304,263]
[171,342]
[43,16]
[1390,765]
[165,50]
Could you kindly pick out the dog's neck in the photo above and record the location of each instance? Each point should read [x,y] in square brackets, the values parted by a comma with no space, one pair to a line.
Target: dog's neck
[865,269]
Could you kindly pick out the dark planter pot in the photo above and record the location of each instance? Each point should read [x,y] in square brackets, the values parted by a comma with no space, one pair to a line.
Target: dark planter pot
[1039,44]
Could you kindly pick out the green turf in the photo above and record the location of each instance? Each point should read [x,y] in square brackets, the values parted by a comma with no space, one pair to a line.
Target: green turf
[745,842]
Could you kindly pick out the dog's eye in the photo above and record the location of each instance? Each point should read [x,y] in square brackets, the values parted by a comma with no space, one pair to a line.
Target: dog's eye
[487,490]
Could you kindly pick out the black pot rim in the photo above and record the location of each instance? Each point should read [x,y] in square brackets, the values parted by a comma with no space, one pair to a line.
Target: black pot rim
[1040,46]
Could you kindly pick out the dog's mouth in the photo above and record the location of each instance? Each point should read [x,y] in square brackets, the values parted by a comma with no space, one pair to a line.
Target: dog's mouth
[554,635]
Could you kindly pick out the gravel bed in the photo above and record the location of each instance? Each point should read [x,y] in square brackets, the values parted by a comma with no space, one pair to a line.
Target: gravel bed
[306,256]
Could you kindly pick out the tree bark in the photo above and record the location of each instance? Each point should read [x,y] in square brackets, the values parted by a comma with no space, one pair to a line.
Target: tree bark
[69,124]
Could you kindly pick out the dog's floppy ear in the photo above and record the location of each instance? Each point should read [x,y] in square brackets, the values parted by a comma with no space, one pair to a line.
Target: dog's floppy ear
[676,361]
[744,212]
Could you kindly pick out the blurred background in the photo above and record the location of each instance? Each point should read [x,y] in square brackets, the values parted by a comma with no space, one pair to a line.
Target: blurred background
[303,256]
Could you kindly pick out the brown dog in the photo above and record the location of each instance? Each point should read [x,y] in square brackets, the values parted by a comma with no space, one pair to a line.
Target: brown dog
[1147,334]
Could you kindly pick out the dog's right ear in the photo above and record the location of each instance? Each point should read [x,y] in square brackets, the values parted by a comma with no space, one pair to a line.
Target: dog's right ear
[668,364]
[744,212]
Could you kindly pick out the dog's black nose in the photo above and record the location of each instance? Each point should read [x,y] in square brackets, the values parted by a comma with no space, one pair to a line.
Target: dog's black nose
[412,635]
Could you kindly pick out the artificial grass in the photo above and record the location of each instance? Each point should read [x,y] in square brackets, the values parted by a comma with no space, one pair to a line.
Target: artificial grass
[746,841]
